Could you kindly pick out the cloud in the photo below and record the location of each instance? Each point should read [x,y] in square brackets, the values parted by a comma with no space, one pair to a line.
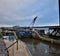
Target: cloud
[23,10]
[6,25]
[47,25]
[14,9]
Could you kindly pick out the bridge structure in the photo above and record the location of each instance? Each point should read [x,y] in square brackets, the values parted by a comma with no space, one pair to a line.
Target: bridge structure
[55,29]
[55,32]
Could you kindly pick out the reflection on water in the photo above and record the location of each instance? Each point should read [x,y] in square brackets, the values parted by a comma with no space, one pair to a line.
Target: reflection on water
[41,48]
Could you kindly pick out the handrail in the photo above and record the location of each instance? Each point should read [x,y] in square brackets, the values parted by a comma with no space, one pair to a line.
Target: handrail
[37,33]
[10,45]
[15,35]
[14,42]
[16,39]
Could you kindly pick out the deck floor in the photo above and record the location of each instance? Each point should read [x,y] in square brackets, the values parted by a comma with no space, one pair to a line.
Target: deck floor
[22,48]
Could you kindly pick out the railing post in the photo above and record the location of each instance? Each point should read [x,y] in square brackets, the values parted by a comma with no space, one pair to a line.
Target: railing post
[16,39]
[17,44]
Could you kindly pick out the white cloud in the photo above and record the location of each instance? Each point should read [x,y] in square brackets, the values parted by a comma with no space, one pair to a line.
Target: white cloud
[12,10]
[48,25]
[6,25]
[17,9]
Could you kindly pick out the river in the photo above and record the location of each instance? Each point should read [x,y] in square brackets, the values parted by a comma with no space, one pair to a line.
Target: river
[41,48]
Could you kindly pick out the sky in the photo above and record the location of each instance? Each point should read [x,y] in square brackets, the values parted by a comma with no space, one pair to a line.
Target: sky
[22,12]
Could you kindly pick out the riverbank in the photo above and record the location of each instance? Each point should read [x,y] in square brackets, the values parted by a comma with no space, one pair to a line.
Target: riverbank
[22,48]
[51,40]
[39,47]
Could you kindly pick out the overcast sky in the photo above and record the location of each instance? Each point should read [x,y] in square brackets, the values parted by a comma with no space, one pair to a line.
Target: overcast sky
[22,12]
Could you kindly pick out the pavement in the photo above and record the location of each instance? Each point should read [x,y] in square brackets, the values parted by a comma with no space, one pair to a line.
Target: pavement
[3,52]
[22,48]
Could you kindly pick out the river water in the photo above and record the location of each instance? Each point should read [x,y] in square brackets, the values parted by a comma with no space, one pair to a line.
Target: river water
[41,48]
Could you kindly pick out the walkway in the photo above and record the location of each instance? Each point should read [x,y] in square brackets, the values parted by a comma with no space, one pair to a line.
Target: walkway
[22,48]
[3,52]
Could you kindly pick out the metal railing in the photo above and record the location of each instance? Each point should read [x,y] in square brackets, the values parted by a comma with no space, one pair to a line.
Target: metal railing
[14,42]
